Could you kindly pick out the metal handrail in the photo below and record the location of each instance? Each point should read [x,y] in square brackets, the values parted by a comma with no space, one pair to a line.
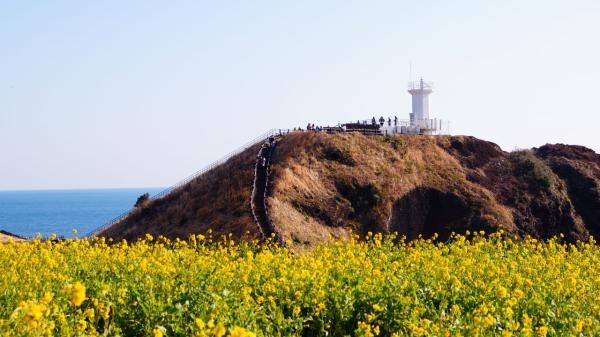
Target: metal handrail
[420,85]
[193,176]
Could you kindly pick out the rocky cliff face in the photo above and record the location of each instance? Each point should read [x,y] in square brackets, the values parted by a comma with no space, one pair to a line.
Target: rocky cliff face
[579,169]
[326,185]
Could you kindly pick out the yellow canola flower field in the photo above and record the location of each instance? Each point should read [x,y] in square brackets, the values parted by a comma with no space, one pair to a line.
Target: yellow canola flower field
[375,286]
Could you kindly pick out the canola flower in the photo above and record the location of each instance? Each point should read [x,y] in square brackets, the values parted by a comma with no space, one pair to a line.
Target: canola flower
[374,286]
[77,291]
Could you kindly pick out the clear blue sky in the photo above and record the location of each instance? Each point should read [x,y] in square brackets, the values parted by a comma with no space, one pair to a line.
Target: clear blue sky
[143,93]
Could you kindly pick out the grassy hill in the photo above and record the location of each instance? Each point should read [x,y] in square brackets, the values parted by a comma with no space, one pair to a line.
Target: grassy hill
[326,185]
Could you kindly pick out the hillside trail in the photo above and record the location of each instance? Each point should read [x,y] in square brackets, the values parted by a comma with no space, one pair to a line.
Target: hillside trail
[261,188]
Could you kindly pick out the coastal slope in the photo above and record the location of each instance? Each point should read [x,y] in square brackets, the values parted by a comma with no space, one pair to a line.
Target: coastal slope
[324,186]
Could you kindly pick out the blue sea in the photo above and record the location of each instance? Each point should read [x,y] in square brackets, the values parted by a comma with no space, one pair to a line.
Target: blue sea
[47,212]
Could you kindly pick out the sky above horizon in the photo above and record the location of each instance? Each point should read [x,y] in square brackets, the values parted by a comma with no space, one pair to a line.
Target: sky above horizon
[143,93]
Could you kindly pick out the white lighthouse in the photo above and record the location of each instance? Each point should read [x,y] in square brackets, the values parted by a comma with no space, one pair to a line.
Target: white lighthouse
[420,91]
[419,123]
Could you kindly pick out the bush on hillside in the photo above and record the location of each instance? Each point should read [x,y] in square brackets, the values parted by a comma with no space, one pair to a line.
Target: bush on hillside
[526,165]
[142,201]
[362,197]
[397,144]
[338,155]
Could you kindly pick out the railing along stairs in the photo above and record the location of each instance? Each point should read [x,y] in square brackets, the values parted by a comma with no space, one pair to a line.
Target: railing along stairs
[194,176]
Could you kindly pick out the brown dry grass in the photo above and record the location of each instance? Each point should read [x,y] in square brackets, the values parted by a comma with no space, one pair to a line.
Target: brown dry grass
[4,238]
[326,185]
[220,202]
[306,204]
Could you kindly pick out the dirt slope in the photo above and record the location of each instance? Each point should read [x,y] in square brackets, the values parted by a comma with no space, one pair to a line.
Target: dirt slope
[324,185]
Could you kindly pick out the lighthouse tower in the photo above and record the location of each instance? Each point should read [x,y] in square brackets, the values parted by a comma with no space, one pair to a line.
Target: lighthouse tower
[420,91]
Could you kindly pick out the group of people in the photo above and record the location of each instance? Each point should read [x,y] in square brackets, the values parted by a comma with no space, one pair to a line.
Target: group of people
[382,121]
[312,127]
[266,147]
[309,127]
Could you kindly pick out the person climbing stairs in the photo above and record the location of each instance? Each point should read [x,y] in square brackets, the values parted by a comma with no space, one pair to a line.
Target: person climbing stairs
[261,190]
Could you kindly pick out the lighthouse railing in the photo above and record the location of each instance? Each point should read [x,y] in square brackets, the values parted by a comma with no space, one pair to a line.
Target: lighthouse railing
[417,85]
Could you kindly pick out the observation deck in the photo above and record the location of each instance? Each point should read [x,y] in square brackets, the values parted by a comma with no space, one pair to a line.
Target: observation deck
[420,86]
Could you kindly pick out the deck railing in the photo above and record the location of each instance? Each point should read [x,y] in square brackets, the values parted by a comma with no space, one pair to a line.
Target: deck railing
[194,176]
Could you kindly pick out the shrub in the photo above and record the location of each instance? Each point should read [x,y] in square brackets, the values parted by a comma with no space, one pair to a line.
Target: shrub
[142,201]
[526,165]
[362,197]
[338,155]
[397,144]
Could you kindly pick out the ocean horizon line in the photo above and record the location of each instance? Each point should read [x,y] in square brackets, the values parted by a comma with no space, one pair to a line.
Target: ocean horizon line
[81,189]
